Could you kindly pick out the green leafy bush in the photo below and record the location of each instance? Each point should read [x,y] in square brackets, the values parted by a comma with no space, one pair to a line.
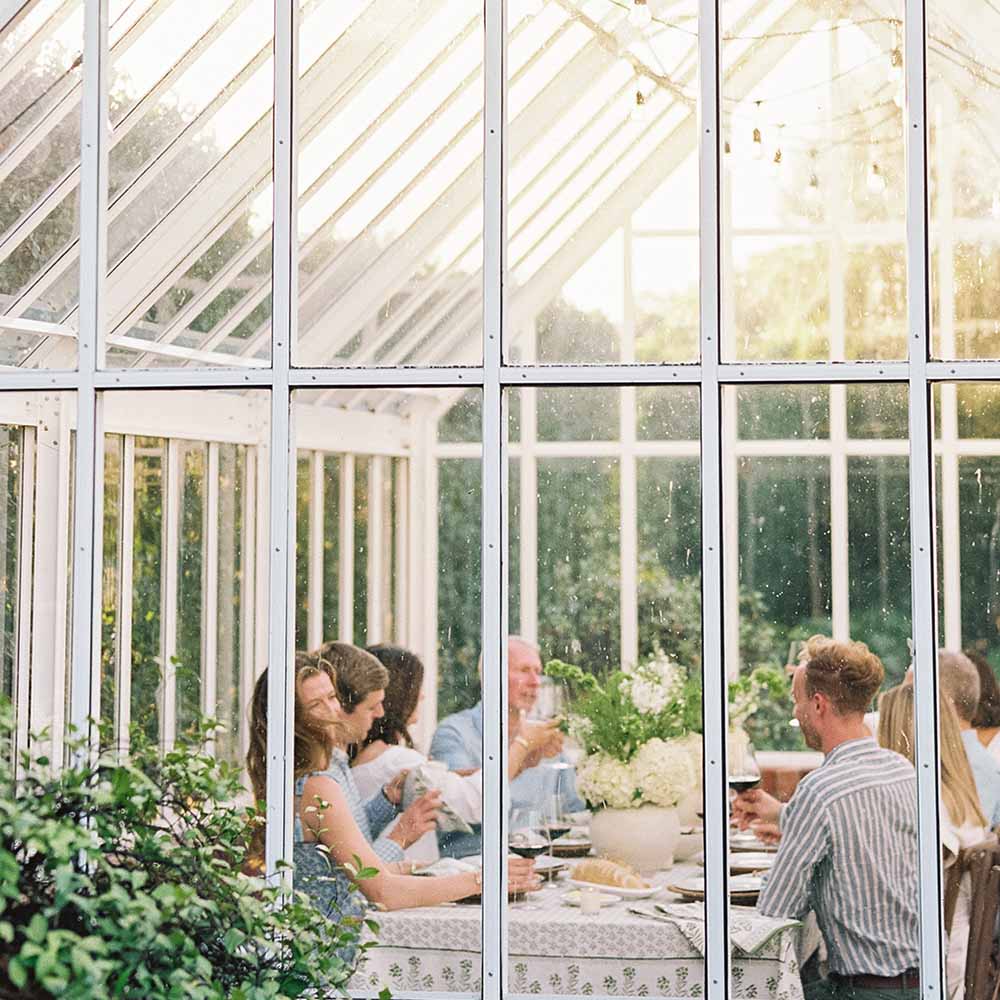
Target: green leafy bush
[122,878]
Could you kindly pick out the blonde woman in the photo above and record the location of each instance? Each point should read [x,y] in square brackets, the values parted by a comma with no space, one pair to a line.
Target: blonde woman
[964,823]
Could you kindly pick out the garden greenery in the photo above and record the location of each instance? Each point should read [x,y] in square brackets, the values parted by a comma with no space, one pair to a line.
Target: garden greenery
[122,877]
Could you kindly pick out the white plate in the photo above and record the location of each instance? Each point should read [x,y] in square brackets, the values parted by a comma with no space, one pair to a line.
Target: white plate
[747,841]
[544,863]
[737,884]
[572,898]
[751,861]
[651,890]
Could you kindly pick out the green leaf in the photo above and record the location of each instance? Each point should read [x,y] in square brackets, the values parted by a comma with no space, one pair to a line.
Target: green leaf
[17,973]
[37,929]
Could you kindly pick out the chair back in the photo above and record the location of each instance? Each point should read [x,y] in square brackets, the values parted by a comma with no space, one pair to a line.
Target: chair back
[982,962]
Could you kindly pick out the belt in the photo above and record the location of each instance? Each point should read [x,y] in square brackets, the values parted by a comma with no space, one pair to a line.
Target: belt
[908,980]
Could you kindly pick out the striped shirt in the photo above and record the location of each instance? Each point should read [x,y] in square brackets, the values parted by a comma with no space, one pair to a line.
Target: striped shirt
[849,853]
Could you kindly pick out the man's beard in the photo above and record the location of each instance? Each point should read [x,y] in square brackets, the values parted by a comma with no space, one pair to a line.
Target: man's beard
[810,735]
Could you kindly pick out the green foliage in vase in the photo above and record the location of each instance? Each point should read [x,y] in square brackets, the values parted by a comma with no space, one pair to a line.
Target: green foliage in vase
[122,877]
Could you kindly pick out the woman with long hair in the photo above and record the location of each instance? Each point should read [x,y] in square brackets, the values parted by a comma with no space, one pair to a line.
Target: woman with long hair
[964,823]
[387,746]
[326,838]
[986,721]
[360,703]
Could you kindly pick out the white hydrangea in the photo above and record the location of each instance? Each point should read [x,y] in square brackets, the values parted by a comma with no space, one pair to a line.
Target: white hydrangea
[665,772]
[651,686]
[603,780]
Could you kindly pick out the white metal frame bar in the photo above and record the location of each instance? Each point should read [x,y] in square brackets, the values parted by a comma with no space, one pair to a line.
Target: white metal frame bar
[84,688]
[377,554]
[714,687]
[345,527]
[924,622]
[494,506]
[282,455]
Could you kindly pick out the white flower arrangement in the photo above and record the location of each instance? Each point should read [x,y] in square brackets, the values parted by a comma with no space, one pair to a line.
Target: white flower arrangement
[653,685]
[661,773]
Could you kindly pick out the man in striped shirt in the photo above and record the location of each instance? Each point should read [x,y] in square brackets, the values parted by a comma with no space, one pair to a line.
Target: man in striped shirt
[848,837]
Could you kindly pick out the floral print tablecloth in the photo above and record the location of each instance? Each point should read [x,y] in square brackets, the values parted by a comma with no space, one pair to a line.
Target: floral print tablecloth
[556,949]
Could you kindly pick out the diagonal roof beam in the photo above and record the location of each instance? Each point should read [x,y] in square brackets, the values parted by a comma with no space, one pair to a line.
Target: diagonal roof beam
[181,232]
[366,293]
[38,212]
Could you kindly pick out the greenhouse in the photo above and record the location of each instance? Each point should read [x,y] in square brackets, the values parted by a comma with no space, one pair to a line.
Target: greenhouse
[657,335]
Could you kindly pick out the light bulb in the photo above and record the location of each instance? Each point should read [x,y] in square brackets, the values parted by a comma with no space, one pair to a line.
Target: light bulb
[876,180]
[726,148]
[812,189]
[639,14]
[640,109]
[774,163]
[895,71]
[756,147]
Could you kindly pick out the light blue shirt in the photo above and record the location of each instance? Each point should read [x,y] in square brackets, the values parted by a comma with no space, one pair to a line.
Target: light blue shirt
[848,852]
[986,771]
[458,742]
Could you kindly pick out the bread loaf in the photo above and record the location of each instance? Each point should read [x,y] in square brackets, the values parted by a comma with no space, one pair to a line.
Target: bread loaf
[604,872]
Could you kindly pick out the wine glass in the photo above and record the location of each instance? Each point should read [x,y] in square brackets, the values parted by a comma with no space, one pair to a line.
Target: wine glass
[528,837]
[557,824]
[744,771]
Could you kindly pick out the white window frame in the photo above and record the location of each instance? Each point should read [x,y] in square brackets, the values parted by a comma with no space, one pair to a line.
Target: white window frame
[275,510]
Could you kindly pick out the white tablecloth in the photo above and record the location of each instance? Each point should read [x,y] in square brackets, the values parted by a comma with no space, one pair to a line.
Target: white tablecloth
[559,950]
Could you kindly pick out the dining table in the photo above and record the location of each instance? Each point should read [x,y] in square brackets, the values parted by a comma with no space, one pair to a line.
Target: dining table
[649,947]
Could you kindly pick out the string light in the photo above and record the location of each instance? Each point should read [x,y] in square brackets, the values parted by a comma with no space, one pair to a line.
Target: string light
[639,16]
[640,109]
[772,167]
[757,147]
[895,75]
[726,148]
[812,189]
[876,180]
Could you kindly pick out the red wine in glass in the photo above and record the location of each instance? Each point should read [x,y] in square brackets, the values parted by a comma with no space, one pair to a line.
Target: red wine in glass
[525,845]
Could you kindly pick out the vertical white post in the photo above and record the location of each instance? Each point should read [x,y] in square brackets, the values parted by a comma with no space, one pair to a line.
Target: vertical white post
[126,546]
[345,511]
[528,495]
[840,596]
[25,573]
[628,490]
[944,238]
[281,547]
[495,527]
[210,593]
[49,583]
[714,688]
[84,694]
[922,505]
[376,549]
[401,568]
[249,531]
[173,473]
[314,624]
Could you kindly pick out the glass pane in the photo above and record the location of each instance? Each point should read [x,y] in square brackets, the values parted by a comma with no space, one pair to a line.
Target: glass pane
[387,541]
[813,192]
[608,550]
[390,184]
[41,50]
[603,183]
[964,178]
[189,190]
[180,627]
[820,553]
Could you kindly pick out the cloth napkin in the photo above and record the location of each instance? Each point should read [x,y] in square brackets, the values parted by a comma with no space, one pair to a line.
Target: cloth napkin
[750,931]
[424,778]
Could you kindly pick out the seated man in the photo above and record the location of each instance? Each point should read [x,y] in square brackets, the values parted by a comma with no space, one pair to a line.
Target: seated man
[458,742]
[848,848]
[959,680]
